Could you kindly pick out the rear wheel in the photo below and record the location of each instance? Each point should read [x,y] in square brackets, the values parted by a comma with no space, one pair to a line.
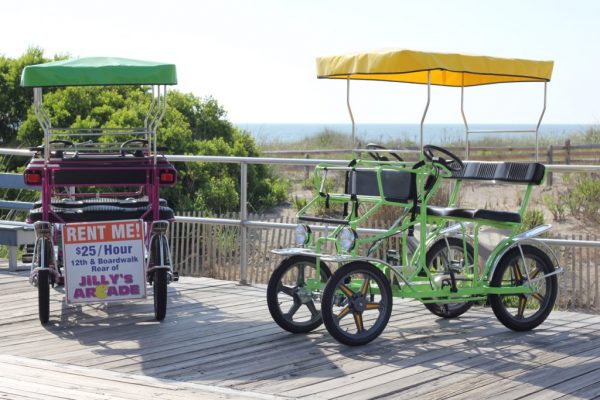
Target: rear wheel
[292,305]
[523,312]
[440,258]
[357,303]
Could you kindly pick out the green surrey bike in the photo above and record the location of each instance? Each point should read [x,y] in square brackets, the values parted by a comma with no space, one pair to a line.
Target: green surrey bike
[438,262]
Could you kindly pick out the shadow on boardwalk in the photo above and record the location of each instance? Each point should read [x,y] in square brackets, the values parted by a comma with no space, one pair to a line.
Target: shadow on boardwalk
[219,334]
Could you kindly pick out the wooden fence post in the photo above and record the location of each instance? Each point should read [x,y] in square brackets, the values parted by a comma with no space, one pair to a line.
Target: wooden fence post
[550,161]
[568,151]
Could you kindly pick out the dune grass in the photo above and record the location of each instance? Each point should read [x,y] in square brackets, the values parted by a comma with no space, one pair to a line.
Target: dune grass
[331,140]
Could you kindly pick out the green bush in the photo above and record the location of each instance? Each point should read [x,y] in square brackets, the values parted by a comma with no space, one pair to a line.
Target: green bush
[588,194]
[556,206]
[531,219]
[583,196]
[191,125]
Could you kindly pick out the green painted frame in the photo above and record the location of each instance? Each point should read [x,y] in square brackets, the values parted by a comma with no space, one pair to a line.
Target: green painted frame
[415,285]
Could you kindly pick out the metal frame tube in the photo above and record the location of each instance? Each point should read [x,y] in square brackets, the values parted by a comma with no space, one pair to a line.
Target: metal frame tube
[537,128]
[350,111]
[464,117]
[161,110]
[150,109]
[468,131]
[43,118]
[426,107]
[243,221]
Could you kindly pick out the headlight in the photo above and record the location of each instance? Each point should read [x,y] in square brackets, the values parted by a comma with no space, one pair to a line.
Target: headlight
[347,238]
[302,235]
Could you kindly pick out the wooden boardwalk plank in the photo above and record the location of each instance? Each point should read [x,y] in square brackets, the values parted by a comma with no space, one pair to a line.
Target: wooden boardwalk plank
[218,341]
[31,377]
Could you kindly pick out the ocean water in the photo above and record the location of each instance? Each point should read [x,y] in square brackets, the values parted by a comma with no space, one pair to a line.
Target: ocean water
[433,133]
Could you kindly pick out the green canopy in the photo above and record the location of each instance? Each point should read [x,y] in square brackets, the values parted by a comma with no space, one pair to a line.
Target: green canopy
[98,71]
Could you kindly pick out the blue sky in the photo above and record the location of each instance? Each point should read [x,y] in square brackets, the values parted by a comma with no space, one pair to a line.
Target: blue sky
[257,58]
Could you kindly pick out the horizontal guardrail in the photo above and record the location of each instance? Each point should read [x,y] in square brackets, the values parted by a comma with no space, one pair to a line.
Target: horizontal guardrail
[245,224]
[295,161]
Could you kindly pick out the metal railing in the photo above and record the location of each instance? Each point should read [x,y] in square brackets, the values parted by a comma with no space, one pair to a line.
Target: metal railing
[244,223]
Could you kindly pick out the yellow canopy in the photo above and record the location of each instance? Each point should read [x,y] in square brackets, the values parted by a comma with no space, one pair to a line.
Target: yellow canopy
[446,69]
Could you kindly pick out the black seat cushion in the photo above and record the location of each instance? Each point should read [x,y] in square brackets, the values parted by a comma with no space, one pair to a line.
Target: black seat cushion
[471,213]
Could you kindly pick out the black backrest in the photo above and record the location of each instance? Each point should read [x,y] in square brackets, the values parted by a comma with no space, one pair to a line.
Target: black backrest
[513,172]
[398,186]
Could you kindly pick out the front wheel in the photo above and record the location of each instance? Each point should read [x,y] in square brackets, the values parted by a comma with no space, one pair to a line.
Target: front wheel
[292,305]
[523,312]
[357,303]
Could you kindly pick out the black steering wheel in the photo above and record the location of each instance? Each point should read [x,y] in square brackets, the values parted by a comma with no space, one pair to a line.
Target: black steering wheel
[138,152]
[378,157]
[434,154]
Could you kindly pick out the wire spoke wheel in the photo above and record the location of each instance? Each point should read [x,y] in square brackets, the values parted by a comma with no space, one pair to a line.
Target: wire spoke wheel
[357,303]
[445,254]
[522,312]
[293,306]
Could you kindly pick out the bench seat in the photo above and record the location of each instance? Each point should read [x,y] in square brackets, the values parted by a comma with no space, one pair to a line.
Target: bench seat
[471,213]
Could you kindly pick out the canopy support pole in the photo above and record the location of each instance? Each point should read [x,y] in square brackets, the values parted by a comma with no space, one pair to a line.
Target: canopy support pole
[156,112]
[537,128]
[43,118]
[350,110]
[150,109]
[426,107]
[464,117]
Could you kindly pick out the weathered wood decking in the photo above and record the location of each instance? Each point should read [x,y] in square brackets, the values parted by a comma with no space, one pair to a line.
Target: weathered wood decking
[218,341]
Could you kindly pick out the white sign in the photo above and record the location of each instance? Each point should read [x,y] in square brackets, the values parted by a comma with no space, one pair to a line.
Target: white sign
[104,261]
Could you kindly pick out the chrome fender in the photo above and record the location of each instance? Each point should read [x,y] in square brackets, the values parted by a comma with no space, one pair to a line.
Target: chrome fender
[526,238]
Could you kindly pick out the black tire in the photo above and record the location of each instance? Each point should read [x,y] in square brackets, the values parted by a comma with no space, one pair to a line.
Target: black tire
[160,283]
[339,300]
[160,277]
[440,249]
[531,310]
[43,284]
[296,296]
